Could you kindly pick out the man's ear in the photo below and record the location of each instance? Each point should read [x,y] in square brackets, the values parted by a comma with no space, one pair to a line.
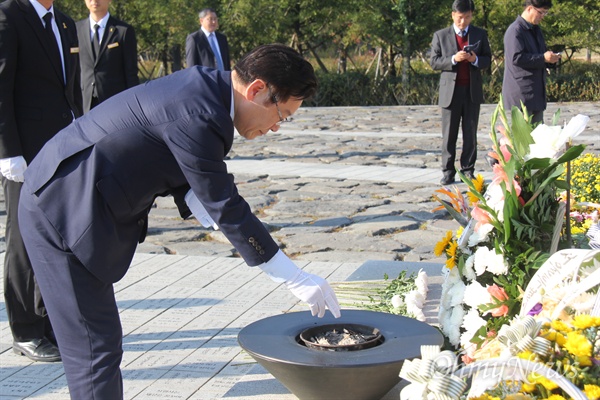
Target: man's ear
[256,87]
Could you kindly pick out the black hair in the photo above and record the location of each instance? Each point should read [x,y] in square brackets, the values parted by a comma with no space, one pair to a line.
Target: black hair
[547,4]
[283,69]
[463,6]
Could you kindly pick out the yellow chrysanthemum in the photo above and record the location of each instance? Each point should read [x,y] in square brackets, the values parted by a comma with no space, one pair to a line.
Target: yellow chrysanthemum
[527,355]
[451,252]
[556,397]
[517,396]
[578,345]
[585,321]
[528,387]
[560,326]
[536,378]
[584,361]
[592,392]
[442,244]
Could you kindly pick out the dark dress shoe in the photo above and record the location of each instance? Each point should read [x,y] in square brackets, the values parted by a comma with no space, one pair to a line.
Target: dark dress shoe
[469,175]
[37,350]
[447,180]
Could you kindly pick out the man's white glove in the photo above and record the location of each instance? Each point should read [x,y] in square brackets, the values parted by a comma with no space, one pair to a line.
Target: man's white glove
[199,211]
[309,288]
[13,168]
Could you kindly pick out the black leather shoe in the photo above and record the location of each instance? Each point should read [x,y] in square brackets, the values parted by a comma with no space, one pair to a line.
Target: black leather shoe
[469,175]
[37,350]
[447,180]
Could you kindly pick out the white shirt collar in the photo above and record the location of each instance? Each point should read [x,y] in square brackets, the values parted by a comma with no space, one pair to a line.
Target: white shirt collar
[41,10]
[457,31]
[206,33]
[102,23]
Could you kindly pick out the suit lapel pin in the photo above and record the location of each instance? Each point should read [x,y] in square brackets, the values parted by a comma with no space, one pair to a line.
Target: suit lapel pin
[111,29]
[64,26]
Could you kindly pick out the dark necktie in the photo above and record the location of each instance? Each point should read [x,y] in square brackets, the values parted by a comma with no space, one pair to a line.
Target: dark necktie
[462,33]
[53,44]
[96,41]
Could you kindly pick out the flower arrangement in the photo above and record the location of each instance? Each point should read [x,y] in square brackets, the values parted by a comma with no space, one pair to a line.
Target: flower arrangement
[585,179]
[570,348]
[508,228]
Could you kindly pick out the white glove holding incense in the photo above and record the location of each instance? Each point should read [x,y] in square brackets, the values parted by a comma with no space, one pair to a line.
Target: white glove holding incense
[13,168]
[312,289]
[199,211]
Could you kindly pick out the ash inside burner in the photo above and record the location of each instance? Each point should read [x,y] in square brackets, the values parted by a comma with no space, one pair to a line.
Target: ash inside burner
[344,338]
[341,337]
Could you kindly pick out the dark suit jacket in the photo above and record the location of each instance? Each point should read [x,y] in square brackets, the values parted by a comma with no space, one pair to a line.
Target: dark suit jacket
[524,67]
[443,47]
[97,179]
[116,67]
[35,102]
[199,52]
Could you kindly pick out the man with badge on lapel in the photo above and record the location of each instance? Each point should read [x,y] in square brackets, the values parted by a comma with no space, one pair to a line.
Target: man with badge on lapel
[207,47]
[108,55]
[39,96]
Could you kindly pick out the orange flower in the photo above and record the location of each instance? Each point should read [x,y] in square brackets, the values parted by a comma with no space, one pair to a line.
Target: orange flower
[482,217]
[497,292]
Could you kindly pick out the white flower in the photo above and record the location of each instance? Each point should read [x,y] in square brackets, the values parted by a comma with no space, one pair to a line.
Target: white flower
[481,256]
[496,264]
[481,235]
[495,200]
[476,294]
[422,282]
[397,301]
[414,304]
[456,294]
[584,303]
[452,327]
[546,142]
[550,140]
[468,270]
[471,323]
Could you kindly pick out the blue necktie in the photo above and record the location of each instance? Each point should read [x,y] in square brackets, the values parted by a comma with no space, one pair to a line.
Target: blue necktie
[212,39]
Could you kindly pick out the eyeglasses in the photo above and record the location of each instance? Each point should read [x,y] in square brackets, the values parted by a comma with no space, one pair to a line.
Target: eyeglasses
[542,12]
[281,119]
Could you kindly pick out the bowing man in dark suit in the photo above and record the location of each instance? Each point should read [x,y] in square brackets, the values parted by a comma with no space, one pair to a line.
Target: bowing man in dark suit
[39,95]
[87,195]
[206,46]
[108,58]
[461,92]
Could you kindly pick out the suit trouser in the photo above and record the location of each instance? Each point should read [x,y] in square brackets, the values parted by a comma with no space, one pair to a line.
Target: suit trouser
[83,309]
[24,305]
[462,111]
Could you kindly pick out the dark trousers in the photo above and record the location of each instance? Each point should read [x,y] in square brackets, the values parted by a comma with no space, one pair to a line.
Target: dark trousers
[24,305]
[83,309]
[462,111]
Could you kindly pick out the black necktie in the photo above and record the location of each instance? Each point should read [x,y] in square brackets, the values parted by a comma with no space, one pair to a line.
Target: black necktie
[463,33]
[96,41]
[53,44]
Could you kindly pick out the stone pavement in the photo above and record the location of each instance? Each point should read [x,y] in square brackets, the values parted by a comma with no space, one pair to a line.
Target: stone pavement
[345,191]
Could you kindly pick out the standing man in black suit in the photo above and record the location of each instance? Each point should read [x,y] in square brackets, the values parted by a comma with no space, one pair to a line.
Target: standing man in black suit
[87,195]
[108,55]
[526,59]
[39,95]
[206,46]
[460,51]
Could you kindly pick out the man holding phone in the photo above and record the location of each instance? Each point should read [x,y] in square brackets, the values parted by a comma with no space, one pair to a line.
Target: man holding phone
[460,51]
[526,59]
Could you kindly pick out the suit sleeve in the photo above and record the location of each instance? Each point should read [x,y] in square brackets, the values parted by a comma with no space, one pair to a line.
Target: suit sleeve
[10,144]
[130,58]
[439,61]
[199,147]
[484,58]
[191,53]
[516,52]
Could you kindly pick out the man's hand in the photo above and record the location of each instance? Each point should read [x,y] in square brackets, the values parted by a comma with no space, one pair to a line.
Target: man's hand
[551,57]
[199,211]
[309,288]
[462,56]
[13,168]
